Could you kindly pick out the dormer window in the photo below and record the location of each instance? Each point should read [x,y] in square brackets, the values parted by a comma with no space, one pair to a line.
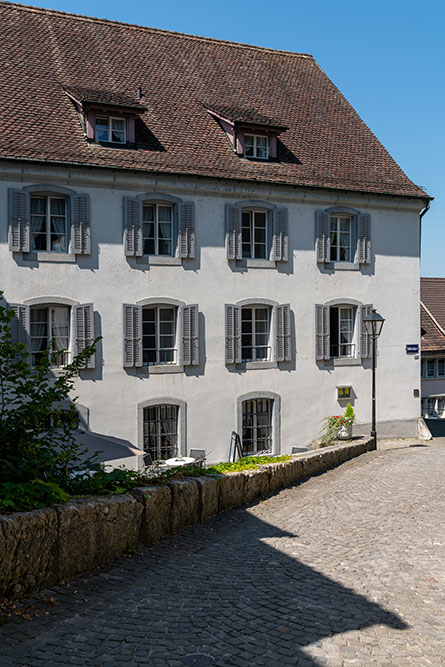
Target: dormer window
[256,146]
[110,129]
[107,117]
[252,134]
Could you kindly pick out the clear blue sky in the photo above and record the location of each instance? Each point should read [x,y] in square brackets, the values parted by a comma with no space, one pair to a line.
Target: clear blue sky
[386,56]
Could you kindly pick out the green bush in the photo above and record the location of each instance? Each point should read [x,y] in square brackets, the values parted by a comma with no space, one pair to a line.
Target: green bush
[36,494]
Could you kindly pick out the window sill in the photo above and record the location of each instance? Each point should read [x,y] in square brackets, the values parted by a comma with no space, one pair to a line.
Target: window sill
[342,266]
[155,260]
[56,257]
[254,365]
[161,369]
[347,361]
[256,263]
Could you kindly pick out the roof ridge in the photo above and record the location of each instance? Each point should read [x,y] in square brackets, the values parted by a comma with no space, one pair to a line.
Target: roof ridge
[160,31]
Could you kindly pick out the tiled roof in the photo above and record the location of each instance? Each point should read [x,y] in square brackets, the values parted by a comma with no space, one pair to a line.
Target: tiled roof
[103,97]
[432,296]
[327,144]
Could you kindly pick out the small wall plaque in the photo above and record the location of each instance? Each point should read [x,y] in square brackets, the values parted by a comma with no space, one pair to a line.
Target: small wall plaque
[343,393]
[412,349]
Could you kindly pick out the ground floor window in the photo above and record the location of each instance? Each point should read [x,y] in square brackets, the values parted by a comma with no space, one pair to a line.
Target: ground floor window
[161,431]
[257,426]
[433,407]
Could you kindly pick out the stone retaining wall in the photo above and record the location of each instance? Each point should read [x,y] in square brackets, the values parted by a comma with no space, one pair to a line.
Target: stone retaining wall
[42,547]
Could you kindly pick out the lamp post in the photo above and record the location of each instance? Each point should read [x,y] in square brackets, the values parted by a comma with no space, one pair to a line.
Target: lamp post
[374,324]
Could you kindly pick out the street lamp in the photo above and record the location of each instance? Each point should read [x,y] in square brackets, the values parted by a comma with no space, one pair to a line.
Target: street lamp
[373,323]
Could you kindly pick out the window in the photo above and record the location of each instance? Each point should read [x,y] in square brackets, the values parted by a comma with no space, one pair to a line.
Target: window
[50,327]
[249,340]
[157,229]
[255,327]
[47,322]
[340,230]
[257,426]
[342,331]
[48,224]
[43,221]
[256,146]
[433,368]
[110,129]
[159,335]
[161,227]
[257,230]
[254,235]
[160,431]
[343,236]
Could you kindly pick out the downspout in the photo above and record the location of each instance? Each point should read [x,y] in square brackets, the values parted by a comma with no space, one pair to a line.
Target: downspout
[422,213]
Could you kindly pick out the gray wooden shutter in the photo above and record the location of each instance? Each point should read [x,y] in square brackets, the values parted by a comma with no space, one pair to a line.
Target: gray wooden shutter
[233,232]
[132,335]
[323,236]
[233,334]
[81,229]
[20,324]
[365,342]
[322,342]
[190,335]
[84,330]
[19,226]
[282,333]
[187,230]
[364,238]
[132,227]
[280,235]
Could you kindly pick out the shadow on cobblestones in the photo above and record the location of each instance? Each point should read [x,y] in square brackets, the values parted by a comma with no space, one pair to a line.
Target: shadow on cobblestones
[220,594]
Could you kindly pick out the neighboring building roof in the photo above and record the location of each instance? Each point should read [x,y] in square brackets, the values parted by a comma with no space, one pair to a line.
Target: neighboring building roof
[327,145]
[432,311]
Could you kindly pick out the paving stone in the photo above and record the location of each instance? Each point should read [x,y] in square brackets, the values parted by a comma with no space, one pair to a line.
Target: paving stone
[344,570]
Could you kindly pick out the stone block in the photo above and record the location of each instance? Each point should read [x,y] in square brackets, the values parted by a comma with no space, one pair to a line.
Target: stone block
[294,470]
[94,531]
[231,490]
[278,477]
[156,517]
[185,503]
[27,551]
[256,484]
[208,488]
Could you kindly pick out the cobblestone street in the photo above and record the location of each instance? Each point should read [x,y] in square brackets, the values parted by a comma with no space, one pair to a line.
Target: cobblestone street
[344,569]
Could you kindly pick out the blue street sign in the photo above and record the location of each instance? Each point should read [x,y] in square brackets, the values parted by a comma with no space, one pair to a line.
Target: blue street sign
[412,349]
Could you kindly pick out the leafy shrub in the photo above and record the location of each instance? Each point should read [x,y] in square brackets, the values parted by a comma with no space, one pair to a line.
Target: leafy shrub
[24,496]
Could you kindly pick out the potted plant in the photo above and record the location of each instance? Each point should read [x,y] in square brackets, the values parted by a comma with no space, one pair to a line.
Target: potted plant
[338,427]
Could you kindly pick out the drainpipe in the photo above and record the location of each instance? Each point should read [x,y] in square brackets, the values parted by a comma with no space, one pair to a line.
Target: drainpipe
[422,213]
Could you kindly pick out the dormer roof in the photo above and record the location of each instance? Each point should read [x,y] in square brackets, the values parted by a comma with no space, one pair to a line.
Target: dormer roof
[247,117]
[110,98]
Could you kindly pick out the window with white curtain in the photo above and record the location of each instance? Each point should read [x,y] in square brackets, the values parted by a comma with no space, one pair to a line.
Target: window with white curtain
[159,335]
[340,237]
[49,224]
[157,229]
[50,327]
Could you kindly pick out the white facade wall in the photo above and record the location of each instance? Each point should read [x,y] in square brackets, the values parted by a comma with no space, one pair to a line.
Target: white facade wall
[307,388]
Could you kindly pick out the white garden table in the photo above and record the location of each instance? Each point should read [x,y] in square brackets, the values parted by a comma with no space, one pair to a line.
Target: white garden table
[180,461]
